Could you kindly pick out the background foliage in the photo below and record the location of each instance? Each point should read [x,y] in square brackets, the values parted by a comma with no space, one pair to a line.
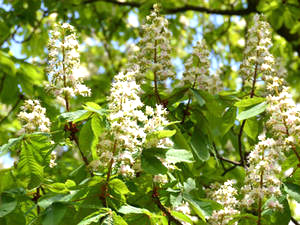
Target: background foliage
[106,28]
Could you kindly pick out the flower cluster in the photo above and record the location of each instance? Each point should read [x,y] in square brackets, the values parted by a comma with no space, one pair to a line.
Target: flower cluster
[186,210]
[64,61]
[52,162]
[284,121]
[262,174]
[155,50]
[197,73]
[226,196]
[257,58]
[129,125]
[33,116]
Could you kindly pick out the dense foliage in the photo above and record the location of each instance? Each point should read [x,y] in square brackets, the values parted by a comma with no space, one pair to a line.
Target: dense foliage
[115,113]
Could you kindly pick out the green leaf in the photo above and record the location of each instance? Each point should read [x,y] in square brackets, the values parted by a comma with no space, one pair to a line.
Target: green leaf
[118,220]
[251,219]
[151,164]
[179,155]
[58,188]
[179,139]
[181,217]
[12,143]
[196,206]
[254,111]
[128,209]
[282,217]
[75,116]
[7,65]
[198,97]
[70,183]
[55,213]
[7,204]
[161,134]
[249,102]
[46,200]
[35,154]
[94,217]
[200,145]
[29,76]
[118,186]
[97,129]
[86,138]
[93,107]
[293,190]
[252,128]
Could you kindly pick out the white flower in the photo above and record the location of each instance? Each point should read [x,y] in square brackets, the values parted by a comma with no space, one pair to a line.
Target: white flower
[64,63]
[33,116]
[226,196]
[155,48]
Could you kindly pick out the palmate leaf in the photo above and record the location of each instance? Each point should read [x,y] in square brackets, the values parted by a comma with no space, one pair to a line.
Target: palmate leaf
[35,154]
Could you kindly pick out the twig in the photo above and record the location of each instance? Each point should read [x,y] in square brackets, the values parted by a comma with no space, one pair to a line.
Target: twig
[294,221]
[21,97]
[242,158]
[104,188]
[84,158]
[35,199]
[155,197]
[228,170]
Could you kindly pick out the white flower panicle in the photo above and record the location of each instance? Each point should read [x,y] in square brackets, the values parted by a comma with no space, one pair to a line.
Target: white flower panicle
[129,125]
[197,73]
[33,116]
[125,112]
[64,63]
[257,58]
[262,180]
[226,196]
[155,49]
[284,119]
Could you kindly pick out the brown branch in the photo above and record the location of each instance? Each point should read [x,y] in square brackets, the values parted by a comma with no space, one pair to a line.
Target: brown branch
[35,199]
[295,221]
[228,170]
[155,197]
[131,4]
[45,14]
[104,188]
[230,12]
[229,161]
[84,158]
[242,160]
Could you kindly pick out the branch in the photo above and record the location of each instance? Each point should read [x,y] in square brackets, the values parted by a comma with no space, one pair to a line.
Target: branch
[227,170]
[21,97]
[73,129]
[294,221]
[229,161]
[132,4]
[104,188]
[37,25]
[163,208]
[230,12]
